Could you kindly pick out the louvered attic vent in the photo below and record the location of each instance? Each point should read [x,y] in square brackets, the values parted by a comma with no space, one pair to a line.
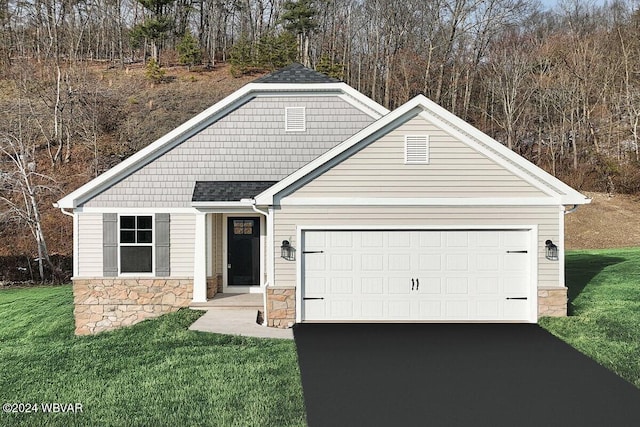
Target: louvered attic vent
[416,149]
[294,119]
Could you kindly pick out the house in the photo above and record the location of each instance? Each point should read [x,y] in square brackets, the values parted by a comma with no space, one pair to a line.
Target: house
[300,188]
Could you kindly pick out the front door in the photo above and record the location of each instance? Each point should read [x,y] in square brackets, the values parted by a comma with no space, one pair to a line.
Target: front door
[243,257]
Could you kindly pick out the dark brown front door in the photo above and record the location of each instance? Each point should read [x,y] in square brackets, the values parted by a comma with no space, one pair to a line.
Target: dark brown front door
[243,256]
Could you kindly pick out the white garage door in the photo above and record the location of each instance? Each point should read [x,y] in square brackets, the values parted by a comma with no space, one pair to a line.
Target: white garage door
[417,275]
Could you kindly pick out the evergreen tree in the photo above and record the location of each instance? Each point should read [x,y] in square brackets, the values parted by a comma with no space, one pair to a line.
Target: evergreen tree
[190,53]
[299,19]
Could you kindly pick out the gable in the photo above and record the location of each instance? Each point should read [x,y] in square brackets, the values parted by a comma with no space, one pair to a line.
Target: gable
[453,169]
[248,144]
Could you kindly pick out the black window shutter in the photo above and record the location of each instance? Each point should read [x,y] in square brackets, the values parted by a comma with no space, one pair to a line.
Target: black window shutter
[109,244]
[163,253]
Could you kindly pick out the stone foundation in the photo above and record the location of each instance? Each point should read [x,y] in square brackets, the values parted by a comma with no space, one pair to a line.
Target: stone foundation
[281,306]
[552,301]
[103,304]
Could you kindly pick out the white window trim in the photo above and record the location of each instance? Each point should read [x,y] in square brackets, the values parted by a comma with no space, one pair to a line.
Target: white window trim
[152,244]
[413,162]
[286,119]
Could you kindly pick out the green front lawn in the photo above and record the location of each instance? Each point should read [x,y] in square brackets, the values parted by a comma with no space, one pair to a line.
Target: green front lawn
[156,373]
[604,295]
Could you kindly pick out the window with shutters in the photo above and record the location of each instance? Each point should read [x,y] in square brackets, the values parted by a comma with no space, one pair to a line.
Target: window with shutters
[416,149]
[295,119]
[135,241]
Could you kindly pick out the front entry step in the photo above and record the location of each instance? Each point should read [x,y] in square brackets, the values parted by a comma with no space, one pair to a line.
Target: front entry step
[231,301]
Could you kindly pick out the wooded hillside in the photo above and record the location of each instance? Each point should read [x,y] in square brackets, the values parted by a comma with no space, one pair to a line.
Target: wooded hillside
[85,84]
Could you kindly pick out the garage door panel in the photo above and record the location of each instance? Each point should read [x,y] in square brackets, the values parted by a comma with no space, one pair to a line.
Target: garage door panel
[340,240]
[341,308]
[399,285]
[372,262]
[315,263]
[430,262]
[372,240]
[487,285]
[432,239]
[430,285]
[462,275]
[457,262]
[457,240]
[340,262]
[515,262]
[399,309]
[315,286]
[430,309]
[399,239]
[457,309]
[457,285]
[488,262]
[372,309]
[399,262]
[341,285]
[371,285]
[488,309]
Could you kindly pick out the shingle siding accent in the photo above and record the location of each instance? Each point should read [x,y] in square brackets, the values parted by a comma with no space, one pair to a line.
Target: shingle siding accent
[249,144]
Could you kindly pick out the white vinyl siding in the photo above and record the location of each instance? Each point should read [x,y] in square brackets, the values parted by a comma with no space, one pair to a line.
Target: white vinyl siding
[545,217]
[454,170]
[89,245]
[182,234]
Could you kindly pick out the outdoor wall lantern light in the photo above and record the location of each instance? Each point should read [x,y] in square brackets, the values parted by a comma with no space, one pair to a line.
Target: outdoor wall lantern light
[552,251]
[287,251]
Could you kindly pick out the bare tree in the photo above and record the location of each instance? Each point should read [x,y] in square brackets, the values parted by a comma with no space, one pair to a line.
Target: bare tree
[23,186]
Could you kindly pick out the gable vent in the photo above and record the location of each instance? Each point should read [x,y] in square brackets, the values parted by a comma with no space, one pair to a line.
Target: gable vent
[294,119]
[416,149]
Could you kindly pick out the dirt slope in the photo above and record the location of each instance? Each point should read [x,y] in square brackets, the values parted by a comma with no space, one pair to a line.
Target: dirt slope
[608,222]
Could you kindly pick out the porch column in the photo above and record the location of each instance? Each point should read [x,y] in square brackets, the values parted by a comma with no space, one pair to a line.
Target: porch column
[200,259]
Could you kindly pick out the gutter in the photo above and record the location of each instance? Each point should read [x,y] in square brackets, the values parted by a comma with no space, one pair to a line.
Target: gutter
[55,205]
[571,210]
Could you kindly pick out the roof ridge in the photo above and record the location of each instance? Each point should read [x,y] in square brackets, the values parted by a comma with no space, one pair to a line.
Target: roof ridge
[296,73]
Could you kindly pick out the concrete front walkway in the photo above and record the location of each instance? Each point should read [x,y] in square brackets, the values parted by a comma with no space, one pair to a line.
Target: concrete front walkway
[235,314]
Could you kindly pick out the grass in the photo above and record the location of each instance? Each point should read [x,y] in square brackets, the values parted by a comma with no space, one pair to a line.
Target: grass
[604,321]
[155,373]
[159,373]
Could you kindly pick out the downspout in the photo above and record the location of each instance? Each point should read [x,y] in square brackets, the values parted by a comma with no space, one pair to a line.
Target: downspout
[55,205]
[269,256]
[573,209]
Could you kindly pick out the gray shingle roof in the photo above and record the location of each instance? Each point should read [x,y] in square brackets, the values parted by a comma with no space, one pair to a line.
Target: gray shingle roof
[296,73]
[228,191]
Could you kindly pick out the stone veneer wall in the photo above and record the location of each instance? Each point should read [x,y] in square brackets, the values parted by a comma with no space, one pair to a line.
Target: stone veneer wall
[214,285]
[552,301]
[281,306]
[103,304]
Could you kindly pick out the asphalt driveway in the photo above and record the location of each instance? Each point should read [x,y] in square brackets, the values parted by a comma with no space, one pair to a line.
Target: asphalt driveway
[455,375]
